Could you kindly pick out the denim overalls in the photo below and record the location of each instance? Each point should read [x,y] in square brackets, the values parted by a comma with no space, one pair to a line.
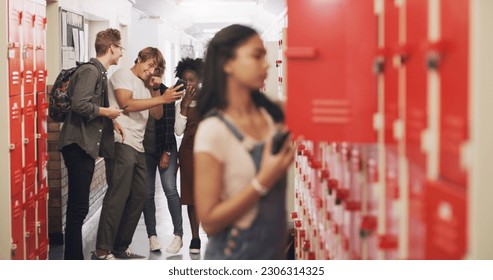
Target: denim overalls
[265,239]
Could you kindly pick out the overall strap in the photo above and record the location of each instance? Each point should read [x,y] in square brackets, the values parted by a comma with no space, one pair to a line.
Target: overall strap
[255,151]
[231,127]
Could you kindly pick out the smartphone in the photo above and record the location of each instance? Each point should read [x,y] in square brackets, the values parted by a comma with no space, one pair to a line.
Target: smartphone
[278,141]
[180,82]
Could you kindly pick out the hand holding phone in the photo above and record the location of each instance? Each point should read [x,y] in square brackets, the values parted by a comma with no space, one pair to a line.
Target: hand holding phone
[180,82]
[278,141]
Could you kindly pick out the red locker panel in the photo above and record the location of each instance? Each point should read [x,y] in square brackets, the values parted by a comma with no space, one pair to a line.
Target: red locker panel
[446,220]
[40,46]
[17,226]
[16,174]
[30,234]
[29,139]
[454,72]
[42,220]
[391,86]
[14,48]
[331,88]
[417,212]
[28,46]
[42,135]
[416,78]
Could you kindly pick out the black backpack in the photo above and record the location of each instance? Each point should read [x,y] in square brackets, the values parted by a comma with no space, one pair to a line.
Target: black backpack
[59,99]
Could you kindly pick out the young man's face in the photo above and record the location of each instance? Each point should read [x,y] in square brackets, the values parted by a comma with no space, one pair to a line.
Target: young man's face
[146,69]
[117,51]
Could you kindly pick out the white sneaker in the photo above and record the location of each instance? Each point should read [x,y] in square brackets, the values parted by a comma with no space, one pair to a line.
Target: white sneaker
[154,244]
[175,245]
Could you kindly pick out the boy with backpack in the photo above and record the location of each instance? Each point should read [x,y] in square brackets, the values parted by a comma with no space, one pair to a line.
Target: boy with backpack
[87,133]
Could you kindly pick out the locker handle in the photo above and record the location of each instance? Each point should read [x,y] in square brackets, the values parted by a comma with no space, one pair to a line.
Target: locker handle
[38,225]
[13,250]
[38,135]
[26,140]
[302,52]
[12,147]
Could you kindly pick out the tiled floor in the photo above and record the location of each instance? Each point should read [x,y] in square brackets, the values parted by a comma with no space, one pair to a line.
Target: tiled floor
[140,243]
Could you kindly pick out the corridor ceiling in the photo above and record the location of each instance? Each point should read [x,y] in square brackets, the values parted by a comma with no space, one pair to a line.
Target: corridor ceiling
[201,19]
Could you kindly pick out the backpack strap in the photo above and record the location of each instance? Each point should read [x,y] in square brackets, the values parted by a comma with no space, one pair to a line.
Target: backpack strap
[105,102]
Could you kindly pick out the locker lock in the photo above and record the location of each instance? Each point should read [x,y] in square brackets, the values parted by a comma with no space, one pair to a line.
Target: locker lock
[399,60]
[13,250]
[12,147]
[433,61]
[379,65]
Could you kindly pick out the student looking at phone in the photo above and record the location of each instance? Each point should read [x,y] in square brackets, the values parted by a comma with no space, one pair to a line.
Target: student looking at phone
[138,89]
[240,185]
[162,156]
[189,70]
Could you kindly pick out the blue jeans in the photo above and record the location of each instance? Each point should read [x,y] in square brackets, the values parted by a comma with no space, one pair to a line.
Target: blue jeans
[168,181]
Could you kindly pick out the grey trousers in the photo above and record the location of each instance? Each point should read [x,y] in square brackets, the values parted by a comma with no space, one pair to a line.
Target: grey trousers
[124,200]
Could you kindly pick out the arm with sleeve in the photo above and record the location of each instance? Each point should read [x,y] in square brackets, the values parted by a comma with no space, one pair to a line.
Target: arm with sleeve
[83,93]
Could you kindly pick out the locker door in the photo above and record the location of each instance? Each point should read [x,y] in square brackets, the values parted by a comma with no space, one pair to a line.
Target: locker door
[17,226]
[29,140]
[14,47]
[16,173]
[390,72]
[454,73]
[392,114]
[42,136]
[416,78]
[40,46]
[331,89]
[30,234]
[446,219]
[416,119]
[28,46]
[42,220]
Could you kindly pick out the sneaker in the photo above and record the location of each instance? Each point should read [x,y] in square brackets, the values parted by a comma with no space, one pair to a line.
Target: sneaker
[127,255]
[195,246]
[101,258]
[154,244]
[175,245]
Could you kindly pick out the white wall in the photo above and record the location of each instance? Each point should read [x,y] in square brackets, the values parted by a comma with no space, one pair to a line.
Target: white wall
[138,31]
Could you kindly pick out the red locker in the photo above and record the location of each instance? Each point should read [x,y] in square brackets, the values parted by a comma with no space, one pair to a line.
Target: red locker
[331,88]
[390,72]
[17,227]
[16,174]
[40,45]
[42,220]
[42,136]
[417,212]
[29,140]
[416,78]
[30,233]
[28,46]
[14,47]
[416,120]
[454,73]
[446,220]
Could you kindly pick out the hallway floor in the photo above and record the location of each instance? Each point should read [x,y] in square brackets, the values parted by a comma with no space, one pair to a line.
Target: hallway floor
[140,242]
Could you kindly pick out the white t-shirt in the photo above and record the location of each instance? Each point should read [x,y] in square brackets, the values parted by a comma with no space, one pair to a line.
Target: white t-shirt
[134,123]
[181,120]
[215,138]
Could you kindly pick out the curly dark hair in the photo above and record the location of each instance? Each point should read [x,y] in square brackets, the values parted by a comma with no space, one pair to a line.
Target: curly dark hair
[191,64]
